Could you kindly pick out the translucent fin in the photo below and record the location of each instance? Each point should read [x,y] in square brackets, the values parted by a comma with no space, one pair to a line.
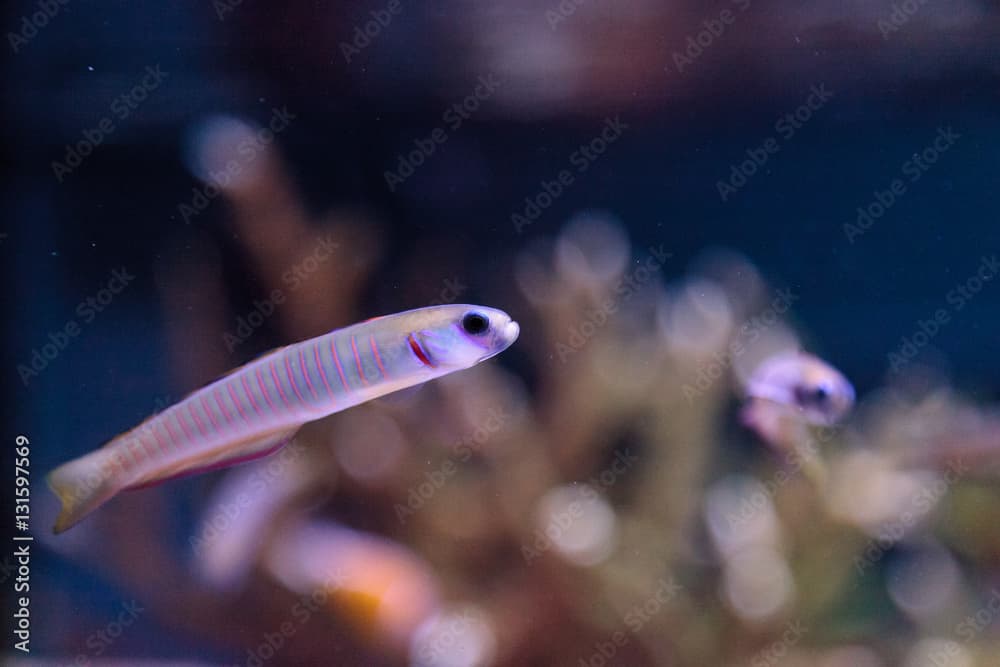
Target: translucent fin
[82,485]
[222,457]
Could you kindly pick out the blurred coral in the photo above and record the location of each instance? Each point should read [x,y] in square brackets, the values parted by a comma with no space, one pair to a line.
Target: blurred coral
[612,512]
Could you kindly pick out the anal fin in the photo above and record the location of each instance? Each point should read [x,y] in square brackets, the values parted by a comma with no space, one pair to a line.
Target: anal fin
[224,456]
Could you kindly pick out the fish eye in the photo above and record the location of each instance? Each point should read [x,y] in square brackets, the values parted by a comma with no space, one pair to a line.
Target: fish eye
[817,396]
[475,324]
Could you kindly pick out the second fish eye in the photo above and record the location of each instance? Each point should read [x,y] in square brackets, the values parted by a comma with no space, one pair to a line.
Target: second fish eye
[475,324]
[812,396]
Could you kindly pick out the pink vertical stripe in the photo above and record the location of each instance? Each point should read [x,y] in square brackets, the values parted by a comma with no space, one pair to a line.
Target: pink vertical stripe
[133,455]
[236,401]
[277,383]
[246,388]
[180,422]
[208,411]
[222,407]
[263,388]
[172,438]
[196,419]
[378,357]
[163,447]
[357,362]
[121,461]
[336,360]
[305,372]
[291,379]
[143,444]
[117,460]
[322,371]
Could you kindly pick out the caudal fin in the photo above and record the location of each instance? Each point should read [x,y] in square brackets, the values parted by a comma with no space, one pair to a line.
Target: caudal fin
[82,485]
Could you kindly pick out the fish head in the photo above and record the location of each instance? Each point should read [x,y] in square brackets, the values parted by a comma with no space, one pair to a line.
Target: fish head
[462,335]
[818,391]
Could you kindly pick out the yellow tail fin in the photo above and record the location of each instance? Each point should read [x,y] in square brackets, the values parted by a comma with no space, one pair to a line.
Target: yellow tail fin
[82,485]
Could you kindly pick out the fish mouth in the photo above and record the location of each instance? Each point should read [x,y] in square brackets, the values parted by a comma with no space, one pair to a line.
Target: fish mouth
[511,331]
[504,339]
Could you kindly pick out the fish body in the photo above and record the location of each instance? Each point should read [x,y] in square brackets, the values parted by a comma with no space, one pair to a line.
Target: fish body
[256,409]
